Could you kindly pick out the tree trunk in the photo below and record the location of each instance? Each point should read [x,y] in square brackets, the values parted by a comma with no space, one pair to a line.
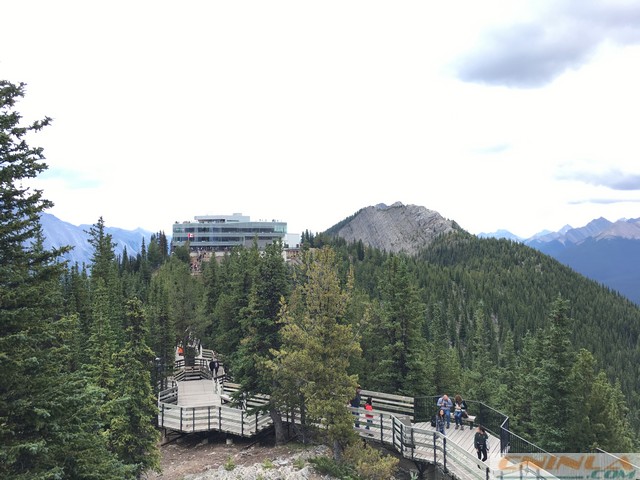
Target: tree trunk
[278,426]
[337,451]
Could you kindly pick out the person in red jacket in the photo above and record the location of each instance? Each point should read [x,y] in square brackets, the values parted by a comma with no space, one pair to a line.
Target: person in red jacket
[368,406]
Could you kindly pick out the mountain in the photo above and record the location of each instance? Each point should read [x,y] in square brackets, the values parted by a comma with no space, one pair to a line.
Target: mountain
[396,228]
[58,233]
[604,251]
[506,234]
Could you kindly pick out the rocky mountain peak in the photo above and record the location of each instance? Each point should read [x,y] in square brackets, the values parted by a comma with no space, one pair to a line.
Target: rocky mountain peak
[396,228]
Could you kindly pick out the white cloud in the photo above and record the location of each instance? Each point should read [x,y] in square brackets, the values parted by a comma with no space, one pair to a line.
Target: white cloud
[308,112]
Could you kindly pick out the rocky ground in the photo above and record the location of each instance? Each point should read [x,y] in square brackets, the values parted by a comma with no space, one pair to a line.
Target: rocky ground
[201,457]
[195,457]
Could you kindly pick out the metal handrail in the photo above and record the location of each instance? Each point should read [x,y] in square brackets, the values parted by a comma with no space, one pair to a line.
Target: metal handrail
[493,420]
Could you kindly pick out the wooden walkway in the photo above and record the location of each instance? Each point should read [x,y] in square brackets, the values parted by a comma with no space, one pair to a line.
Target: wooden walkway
[464,437]
[197,405]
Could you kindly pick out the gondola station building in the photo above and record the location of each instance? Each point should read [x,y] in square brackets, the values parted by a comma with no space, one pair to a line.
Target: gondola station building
[220,233]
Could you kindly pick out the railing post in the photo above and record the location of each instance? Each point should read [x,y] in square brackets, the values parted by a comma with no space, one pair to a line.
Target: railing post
[444,453]
[219,418]
[435,459]
[163,415]
[209,417]
[241,423]
[413,444]
[193,419]
[180,418]
[381,429]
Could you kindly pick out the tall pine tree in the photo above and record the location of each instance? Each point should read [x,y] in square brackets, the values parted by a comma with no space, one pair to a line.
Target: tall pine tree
[38,386]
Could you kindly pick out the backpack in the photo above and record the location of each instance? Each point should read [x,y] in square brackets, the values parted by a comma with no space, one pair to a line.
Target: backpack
[433,421]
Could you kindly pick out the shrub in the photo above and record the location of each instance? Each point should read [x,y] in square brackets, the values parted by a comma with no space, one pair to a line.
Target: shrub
[328,466]
[229,464]
[369,463]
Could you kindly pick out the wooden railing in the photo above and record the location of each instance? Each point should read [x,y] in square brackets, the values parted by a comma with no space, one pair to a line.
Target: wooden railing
[203,419]
[426,446]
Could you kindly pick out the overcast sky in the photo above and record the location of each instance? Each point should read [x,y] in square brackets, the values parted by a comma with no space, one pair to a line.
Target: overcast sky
[522,115]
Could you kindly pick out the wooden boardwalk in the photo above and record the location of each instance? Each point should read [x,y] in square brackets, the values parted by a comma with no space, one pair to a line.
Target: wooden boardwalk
[198,404]
[464,438]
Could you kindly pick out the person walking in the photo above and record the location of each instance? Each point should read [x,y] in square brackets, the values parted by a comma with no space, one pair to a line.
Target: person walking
[480,442]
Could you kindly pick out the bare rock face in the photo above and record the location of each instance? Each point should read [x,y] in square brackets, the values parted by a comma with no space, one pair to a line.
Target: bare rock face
[398,228]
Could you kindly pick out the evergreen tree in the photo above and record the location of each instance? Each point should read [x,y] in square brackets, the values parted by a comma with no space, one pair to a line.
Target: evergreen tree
[482,378]
[131,432]
[317,344]
[38,390]
[261,329]
[551,387]
[598,417]
[403,365]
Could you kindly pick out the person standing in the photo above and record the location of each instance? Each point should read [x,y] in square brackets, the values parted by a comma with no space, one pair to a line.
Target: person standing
[440,421]
[368,407]
[355,403]
[445,403]
[212,367]
[480,442]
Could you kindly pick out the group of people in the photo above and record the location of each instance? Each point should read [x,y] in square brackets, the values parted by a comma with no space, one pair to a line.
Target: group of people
[445,405]
[356,402]
[459,407]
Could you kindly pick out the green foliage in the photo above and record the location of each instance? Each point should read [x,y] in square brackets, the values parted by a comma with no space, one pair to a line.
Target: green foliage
[230,464]
[329,466]
[311,367]
[369,463]
[133,408]
[403,365]
[48,412]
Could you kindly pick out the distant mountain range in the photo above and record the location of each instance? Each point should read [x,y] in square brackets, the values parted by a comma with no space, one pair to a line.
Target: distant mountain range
[58,233]
[604,251]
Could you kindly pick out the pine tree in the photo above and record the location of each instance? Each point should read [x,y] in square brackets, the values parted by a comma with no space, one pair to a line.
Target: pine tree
[133,408]
[317,344]
[551,387]
[598,417]
[38,387]
[403,365]
[261,329]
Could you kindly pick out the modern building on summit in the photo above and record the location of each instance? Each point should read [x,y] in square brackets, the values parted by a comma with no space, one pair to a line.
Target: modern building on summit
[219,233]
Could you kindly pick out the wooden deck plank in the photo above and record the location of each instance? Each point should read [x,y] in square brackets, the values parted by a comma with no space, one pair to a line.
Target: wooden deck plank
[197,393]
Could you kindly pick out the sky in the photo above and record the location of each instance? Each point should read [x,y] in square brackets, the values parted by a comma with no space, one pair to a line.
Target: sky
[516,115]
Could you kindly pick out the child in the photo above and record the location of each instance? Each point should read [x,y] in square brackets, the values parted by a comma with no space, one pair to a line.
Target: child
[440,421]
[369,407]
